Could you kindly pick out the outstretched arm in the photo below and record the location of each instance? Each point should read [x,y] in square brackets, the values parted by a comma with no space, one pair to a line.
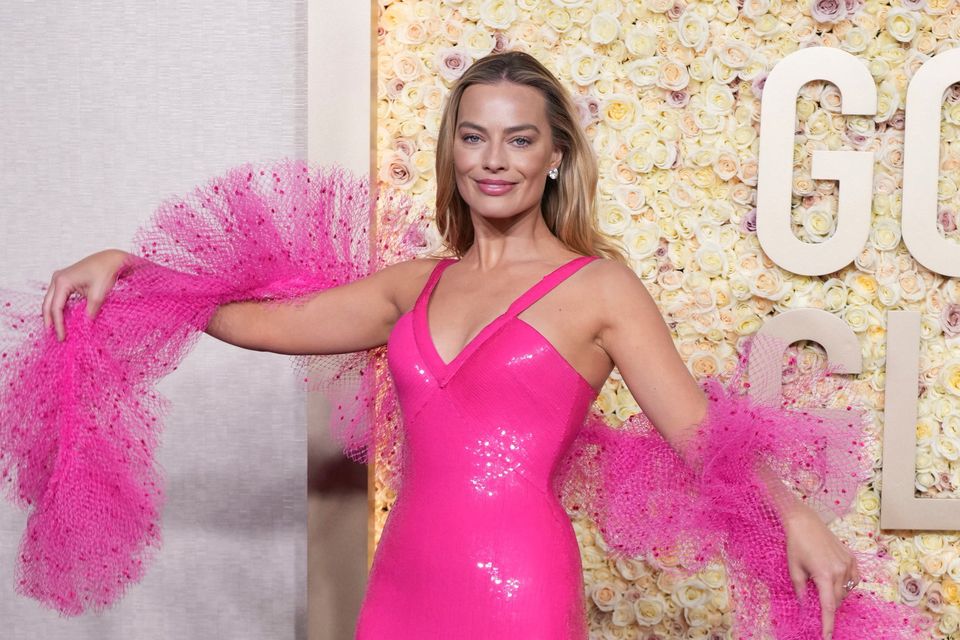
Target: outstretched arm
[344,319]
[638,341]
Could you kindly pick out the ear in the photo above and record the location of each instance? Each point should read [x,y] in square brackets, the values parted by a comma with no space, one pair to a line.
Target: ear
[556,157]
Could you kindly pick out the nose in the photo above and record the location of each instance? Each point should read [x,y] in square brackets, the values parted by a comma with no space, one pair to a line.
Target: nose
[494,158]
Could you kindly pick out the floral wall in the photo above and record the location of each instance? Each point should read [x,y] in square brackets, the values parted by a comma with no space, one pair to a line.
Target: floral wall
[669,93]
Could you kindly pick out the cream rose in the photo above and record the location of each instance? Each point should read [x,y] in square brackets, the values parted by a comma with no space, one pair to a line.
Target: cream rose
[949,377]
[643,73]
[692,30]
[604,28]
[605,596]
[585,66]
[649,610]
[902,24]
[711,259]
[642,239]
[641,41]
[407,66]
[718,98]
[672,75]
[734,54]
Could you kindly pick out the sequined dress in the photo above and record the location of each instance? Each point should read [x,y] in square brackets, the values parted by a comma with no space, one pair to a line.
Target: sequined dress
[476,545]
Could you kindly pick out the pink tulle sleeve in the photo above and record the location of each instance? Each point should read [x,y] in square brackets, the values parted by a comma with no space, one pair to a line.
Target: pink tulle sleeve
[706,498]
[80,420]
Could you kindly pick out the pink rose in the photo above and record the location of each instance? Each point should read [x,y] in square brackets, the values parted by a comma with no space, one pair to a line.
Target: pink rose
[828,10]
[396,171]
[853,7]
[452,62]
[674,12]
[678,99]
[946,220]
[405,146]
[897,120]
[912,587]
[500,42]
[950,319]
[858,140]
[952,94]
[394,87]
[935,597]
[758,83]
[588,109]
[914,5]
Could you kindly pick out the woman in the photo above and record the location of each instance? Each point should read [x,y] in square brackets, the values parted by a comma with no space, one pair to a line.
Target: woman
[512,340]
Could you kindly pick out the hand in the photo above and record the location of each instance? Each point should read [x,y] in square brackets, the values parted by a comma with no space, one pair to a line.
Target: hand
[814,552]
[92,278]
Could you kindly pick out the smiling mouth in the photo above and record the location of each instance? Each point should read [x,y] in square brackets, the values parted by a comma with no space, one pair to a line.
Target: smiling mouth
[495,187]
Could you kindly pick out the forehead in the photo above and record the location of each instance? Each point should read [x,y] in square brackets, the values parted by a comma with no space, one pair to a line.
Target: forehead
[504,103]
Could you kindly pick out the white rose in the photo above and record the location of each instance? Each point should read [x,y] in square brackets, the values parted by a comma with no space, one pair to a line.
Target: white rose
[818,221]
[753,9]
[643,73]
[613,220]
[719,99]
[902,24]
[585,66]
[649,610]
[712,259]
[734,54]
[642,239]
[692,30]
[604,28]
[641,41]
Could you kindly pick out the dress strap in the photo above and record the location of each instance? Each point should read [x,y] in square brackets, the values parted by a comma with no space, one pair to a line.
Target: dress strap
[548,282]
[432,280]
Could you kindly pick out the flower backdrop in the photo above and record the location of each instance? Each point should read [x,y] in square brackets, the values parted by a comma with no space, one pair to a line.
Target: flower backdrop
[669,93]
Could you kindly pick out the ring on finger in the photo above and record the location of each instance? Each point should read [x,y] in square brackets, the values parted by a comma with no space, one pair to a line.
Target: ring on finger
[850,584]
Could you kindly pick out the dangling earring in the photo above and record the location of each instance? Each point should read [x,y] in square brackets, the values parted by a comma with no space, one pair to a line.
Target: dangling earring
[553,173]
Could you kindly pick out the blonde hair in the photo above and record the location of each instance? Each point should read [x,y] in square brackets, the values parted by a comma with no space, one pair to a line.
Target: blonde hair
[569,203]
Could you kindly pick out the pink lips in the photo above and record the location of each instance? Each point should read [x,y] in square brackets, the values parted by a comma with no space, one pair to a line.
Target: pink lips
[495,187]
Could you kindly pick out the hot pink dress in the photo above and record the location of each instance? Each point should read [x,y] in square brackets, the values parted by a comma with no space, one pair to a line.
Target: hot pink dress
[477,545]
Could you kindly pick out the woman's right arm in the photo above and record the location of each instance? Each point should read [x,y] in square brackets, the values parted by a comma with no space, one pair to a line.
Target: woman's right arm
[342,319]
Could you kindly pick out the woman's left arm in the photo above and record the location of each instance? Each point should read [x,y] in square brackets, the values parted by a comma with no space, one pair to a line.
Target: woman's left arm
[633,333]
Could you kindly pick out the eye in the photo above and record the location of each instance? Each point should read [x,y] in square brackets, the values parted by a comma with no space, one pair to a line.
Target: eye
[522,142]
[471,137]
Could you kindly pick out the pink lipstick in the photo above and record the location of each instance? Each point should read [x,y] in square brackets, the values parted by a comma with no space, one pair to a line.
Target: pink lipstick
[495,187]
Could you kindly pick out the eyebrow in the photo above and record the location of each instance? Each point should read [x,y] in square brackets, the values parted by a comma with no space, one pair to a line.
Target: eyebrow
[519,127]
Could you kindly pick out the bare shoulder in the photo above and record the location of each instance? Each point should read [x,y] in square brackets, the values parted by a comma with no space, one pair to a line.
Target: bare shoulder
[404,280]
[618,292]
[610,277]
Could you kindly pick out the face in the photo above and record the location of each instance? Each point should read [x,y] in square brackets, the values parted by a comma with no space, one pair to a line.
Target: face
[502,149]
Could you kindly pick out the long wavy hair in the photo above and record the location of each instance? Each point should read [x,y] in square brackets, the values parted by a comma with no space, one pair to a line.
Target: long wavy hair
[569,204]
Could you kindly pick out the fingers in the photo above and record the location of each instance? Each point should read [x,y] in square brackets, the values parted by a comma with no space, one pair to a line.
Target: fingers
[799,579]
[57,302]
[832,589]
[47,301]
[828,604]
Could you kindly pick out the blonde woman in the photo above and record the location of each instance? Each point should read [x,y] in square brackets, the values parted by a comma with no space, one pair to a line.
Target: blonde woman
[496,353]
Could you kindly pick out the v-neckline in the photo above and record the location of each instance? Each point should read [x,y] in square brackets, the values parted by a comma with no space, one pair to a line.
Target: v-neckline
[443,371]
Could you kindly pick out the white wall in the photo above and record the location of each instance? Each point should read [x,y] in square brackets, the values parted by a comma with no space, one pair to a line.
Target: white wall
[106,109]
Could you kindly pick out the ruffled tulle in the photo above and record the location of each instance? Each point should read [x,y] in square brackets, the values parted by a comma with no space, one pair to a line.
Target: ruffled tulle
[705,498]
[80,420]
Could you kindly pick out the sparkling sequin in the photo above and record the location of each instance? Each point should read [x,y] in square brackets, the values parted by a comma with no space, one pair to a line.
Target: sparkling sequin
[503,585]
[497,457]
[476,532]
